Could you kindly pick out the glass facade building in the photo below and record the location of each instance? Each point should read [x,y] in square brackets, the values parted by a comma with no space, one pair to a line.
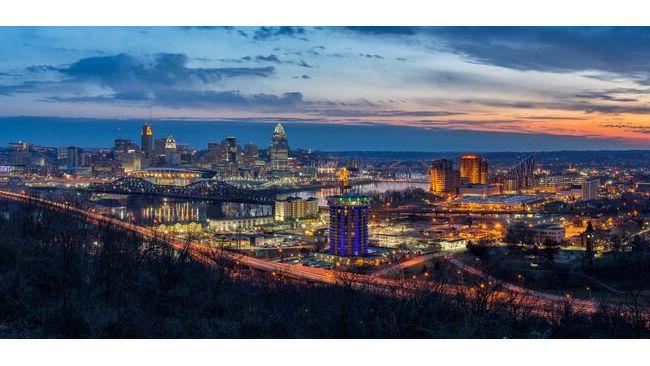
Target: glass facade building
[473,169]
[348,232]
[279,149]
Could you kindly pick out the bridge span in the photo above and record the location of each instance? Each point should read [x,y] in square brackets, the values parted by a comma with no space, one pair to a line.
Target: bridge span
[211,190]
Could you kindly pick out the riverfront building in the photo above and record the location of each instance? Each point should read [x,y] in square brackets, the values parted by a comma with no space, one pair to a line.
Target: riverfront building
[295,208]
[473,169]
[173,176]
[442,178]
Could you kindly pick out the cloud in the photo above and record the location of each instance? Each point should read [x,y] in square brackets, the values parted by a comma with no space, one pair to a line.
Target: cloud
[628,126]
[194,98]
[386,113]
[383,31]
[604,96]
[304,64]
[24,87]
[316,50]
[270,58]
[41,68]
[565,105]
[267,33]
[166,80]
[184,98]
[125,75]
[367,55]
[618,50]
[124,71]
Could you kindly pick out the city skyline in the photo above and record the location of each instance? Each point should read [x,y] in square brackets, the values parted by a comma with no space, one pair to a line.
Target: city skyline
[97,133]
[496,89]
[324,182]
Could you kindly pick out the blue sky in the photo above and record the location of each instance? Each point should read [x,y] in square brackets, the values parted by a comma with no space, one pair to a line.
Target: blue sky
[584,87]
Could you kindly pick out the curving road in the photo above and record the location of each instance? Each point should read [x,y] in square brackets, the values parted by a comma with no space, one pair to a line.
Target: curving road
[542,303]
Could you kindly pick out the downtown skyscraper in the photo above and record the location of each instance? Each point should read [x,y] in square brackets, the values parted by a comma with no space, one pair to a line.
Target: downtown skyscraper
[146,143]
[279,149]
[473,169]
[442,178]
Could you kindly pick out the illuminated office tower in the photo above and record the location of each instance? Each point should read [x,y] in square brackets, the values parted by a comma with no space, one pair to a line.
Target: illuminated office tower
[442,178]
[159,147]
[251,154]
[590,189]
[123,145]
[172,157]
[348,234]
[20,153]
[146,142]
[73,157]
[131,161]
[216,152]
[279,149]
[231,149]
[127,155]
[484,171]
[473,169]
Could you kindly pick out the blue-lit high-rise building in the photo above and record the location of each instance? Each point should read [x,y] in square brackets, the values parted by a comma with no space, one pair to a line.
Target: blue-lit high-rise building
[348,225]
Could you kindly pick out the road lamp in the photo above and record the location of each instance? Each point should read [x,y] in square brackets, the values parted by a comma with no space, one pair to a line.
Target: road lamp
[589,289]
[521,278]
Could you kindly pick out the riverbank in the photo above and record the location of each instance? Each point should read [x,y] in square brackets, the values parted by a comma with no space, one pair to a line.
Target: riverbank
[311,187]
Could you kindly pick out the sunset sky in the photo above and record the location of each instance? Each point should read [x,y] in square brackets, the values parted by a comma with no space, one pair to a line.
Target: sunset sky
[590,83]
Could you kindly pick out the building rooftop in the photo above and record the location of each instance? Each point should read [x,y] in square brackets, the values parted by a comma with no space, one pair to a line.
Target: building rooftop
[204,173]
[348,199]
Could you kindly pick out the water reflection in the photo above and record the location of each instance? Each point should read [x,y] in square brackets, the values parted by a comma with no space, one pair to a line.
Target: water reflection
[378,187]
[156,211]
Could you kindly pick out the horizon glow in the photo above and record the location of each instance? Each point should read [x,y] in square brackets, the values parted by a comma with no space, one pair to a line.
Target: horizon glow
[591,84]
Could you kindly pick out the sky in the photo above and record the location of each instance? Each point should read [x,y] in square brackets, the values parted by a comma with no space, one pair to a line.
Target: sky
[383,88]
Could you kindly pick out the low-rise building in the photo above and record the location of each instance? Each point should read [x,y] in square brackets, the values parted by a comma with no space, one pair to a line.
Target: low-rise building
[500,202]
[545,232]
[535,234]
[482,190]
[173,176]
[248,223]
[295,208]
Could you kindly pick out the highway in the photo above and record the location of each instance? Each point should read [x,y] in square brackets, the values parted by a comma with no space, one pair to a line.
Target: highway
[541,303]
[409,263]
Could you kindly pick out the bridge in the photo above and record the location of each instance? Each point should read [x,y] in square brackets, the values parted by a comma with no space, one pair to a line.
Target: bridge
[540,303]
[211,190]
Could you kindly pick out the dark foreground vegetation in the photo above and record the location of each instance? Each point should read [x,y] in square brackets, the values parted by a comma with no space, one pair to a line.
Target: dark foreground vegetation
[61,278]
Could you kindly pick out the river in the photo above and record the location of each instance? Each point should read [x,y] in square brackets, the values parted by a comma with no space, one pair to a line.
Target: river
[378,187]
[156,211]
